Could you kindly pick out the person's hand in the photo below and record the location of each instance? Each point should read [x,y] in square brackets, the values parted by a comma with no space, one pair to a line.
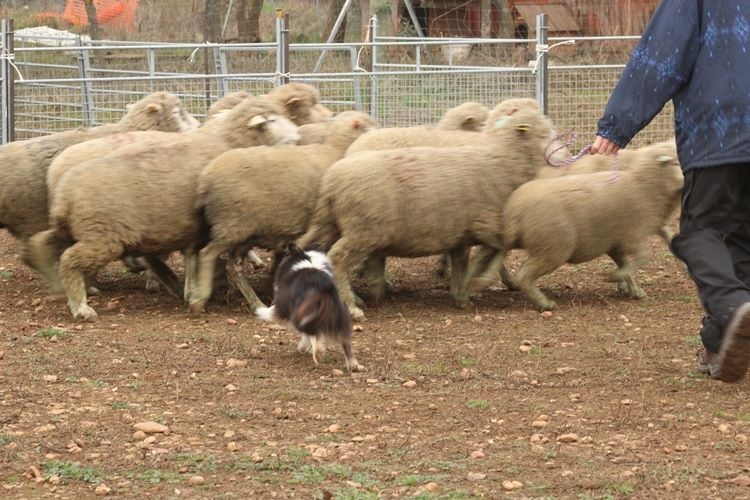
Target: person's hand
[604,146]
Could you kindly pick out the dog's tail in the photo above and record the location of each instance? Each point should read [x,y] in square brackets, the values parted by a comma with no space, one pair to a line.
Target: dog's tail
[320,312]
[267,314]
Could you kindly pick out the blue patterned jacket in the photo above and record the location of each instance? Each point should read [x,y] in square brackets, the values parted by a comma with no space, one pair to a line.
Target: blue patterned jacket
[697,54]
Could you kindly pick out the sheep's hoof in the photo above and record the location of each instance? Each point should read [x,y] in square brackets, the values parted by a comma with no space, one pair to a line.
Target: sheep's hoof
[85,313]
[92,290]
[152,285]
[547,305]
[197,307]
[353,366]
[636,293]
[356,312]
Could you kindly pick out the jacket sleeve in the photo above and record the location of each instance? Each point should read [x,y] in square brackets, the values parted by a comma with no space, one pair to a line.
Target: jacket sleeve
[659,66]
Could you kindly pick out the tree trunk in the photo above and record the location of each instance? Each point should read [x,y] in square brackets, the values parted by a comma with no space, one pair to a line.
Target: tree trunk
[214,18]
[334,8]
[248,20]
[91,16]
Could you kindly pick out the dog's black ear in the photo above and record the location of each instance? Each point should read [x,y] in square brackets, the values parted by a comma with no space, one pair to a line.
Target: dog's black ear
[293,249]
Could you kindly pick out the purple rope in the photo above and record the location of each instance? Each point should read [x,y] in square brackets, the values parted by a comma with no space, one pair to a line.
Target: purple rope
[568,138]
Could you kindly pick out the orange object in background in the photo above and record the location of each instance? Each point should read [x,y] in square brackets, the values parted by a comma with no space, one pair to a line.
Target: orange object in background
[119,13]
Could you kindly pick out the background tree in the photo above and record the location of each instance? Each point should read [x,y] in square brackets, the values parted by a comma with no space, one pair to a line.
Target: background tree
[91,16]
[334,8]
[248,20]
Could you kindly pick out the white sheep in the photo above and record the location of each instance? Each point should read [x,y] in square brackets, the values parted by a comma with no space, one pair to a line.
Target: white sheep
[139,200]
[412,202]
[264,197]
[24,164]
[576,218]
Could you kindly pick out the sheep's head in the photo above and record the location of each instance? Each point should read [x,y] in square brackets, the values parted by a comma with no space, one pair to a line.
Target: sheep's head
[159,111]
[300,102]
[348,125]
[257,121]
[226,103]
[663,157]
[527,125]
[469,116]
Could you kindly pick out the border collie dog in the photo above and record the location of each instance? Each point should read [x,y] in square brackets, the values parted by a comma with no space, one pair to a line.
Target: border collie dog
[307,300]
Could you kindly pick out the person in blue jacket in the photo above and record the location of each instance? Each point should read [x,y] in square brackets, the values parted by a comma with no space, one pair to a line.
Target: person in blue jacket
[697,54]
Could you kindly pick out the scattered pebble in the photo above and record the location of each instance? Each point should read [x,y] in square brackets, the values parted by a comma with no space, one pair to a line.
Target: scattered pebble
[233,446]
[512,485]
[151,427]
[236,363]
[230,387]
[567,438]
[196,480]
[139,435]
[475,476]
[477,454]
[410,383]
[337,373]
[231,321]
[333,428]
[539,424]
[102,490]
[50,378]
[741,480]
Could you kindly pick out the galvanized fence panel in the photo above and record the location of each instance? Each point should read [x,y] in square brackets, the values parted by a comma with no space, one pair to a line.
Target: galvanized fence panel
[401,81]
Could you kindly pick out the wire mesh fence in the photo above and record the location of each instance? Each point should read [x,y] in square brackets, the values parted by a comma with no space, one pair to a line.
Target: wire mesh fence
[400,81]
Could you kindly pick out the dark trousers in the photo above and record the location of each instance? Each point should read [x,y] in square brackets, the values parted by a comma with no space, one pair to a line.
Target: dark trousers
[714,242]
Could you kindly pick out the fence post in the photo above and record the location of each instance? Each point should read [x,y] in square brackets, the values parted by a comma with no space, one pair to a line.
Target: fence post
[220,66]
[541,61]
[282,49]
[7,77]
[373,68]
[84,68]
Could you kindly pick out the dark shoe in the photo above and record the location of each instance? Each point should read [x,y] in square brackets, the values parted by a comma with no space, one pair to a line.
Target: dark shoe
[734,357]
[708,363]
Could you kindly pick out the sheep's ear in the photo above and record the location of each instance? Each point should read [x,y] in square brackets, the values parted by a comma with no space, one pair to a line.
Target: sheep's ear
[256,121]
[293,102]
[524,127]
[468,120]
[356,125]
[154,107]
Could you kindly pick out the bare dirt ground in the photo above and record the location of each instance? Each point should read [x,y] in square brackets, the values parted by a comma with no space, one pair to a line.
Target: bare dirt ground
[599,400]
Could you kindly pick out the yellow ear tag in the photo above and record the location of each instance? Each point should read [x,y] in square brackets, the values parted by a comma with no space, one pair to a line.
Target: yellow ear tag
[523,128]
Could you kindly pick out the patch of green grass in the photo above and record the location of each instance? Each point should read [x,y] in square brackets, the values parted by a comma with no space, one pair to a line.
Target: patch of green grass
[478,404]
[743,418]
[621,372]
[155,476]
[725,445]
[5,275]
[467,362]
[549,454]
[312,474]
[416,479]
[291,460]
[354,494]
[695,374]
[72,379]
[621,489]
[195,462]
[429,369]
[70,470]
[5,439]
[98,383]
[233,412]
[48,333]
[536,351]
[719,414]
[694,340]
[119,405]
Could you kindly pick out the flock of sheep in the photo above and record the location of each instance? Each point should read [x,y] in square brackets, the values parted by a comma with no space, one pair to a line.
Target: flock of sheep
[265,170]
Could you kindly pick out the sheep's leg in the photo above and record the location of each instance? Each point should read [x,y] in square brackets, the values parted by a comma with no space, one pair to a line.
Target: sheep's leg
[526,277]
[483,267]
[40,252]
[199,294]
[165,276]
[624,276]
[345,256]
[374,271]
[77,261]
[459,257]
[256,261]
[444,266]
[190,256]
[278,255]
[234,272]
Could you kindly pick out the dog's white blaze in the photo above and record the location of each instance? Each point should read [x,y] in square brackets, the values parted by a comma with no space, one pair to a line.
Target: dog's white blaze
[266,313]
[318,260]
